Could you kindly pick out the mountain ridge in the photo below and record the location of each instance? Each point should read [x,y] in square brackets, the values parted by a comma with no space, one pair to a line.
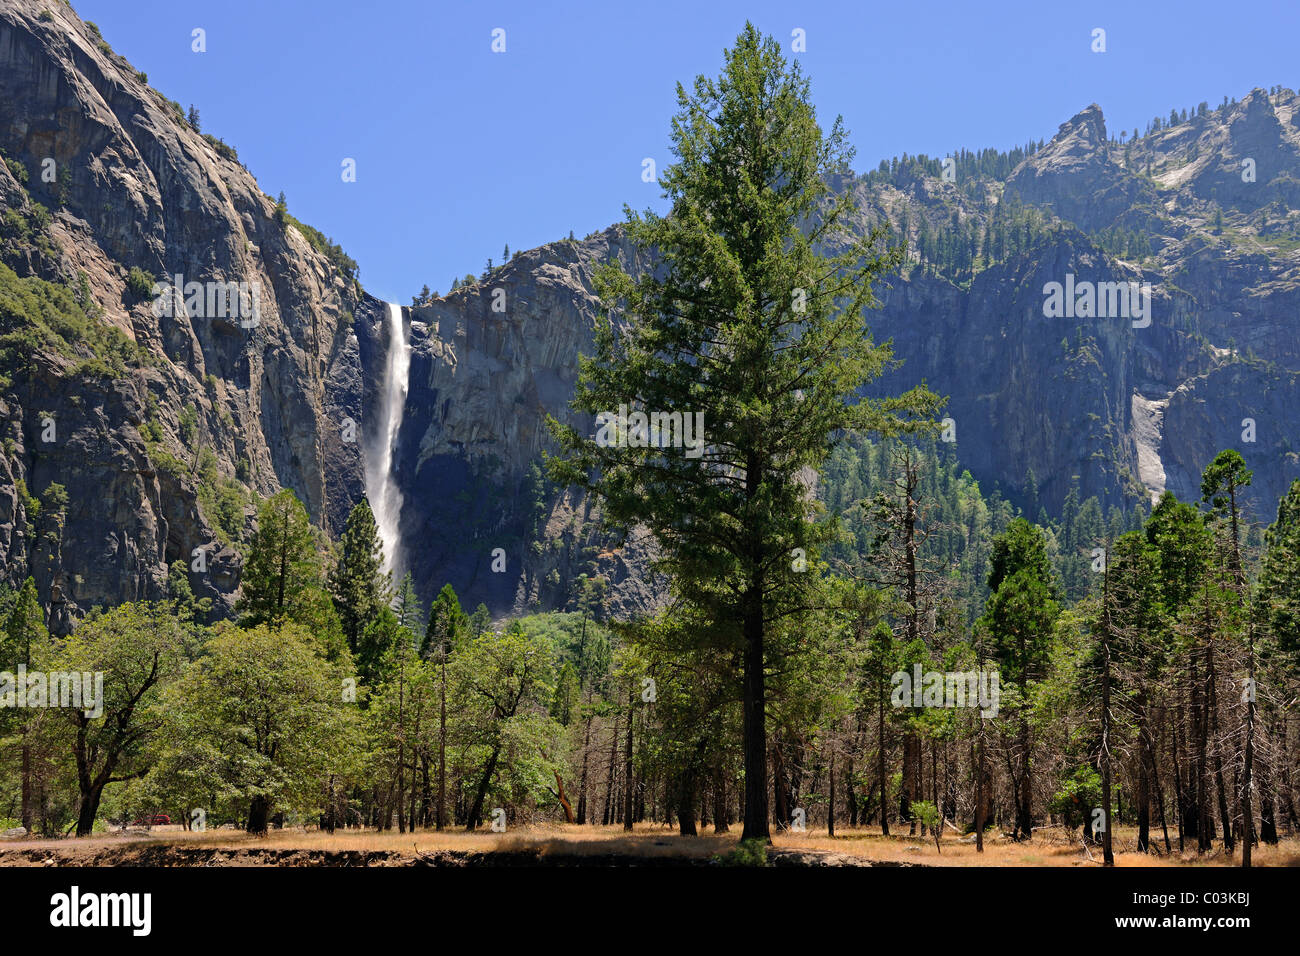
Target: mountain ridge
[166,458]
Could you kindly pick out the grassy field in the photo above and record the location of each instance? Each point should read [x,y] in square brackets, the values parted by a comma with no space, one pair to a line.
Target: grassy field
[562,845]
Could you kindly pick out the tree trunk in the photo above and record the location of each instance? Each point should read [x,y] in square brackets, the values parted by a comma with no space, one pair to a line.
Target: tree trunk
[608,817]
[755,721]
[686,804]
[475,815]
[259,812]
[880,763]
[1229,840]
[88,810]
[582,784]
[720,822]
[27,787]
[564,801]
[442,745]
[627,765]
[830,809]
[1025,810]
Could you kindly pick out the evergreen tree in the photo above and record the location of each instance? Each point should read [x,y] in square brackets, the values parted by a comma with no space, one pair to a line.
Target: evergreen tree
[24,642]
[283,571]
[446,624]
[745,325]
[358,583]
[479,621]
[406,605]
[1019,618]
[1279,581]
[1219,488]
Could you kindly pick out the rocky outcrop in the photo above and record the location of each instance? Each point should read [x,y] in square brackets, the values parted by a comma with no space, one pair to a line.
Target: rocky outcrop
[1076,177]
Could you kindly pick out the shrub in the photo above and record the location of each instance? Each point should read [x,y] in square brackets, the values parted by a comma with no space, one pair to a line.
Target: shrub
[40,316]
[139,283]
[747,853]
[18,169]
[222,147]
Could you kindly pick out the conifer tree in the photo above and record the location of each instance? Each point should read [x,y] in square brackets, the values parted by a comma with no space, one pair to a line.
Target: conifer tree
[358,583]
[752,326]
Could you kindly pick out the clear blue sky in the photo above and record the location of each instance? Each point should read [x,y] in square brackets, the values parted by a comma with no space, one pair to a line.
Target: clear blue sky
[460,151]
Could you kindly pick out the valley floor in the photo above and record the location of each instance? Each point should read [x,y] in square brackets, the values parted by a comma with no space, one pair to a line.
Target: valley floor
[558,845]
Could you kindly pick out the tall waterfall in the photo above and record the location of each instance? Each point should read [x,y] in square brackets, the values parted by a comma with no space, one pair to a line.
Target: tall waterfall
[381,488]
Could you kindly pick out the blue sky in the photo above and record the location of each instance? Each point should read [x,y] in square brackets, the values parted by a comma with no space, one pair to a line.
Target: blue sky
[460,150]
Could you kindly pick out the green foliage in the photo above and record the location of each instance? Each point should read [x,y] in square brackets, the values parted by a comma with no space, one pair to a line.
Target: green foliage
[31,504]
[747,853]
[140,283]
[188,607]
[745,326]
[222,499]
[18,170]
[502,686]
[345,264]
[1279,584]
[283,572]
[223,148]
[39,317]
[959,520]
[446,625]
[139,649]
[357,583]
[24,632]
[1222,478]
[256,722]
[1078,796]
[189,423]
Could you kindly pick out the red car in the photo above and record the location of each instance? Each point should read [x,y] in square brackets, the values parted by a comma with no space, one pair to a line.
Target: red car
[153,820]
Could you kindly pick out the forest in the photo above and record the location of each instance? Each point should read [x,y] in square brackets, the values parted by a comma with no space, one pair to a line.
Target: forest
[1156,664]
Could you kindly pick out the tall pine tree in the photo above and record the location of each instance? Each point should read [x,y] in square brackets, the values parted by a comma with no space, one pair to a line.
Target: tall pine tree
[750,324]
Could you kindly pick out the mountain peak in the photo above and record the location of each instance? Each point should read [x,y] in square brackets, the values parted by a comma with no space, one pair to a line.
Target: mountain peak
[1088,124]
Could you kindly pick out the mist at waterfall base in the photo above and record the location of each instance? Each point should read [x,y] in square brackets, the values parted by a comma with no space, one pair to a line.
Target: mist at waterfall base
[381,490]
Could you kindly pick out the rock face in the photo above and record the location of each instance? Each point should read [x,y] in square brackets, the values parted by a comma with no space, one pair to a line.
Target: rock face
[1120,406]
[1072,397]
[1077,178]
[135,186]
[168,454]
[489,363]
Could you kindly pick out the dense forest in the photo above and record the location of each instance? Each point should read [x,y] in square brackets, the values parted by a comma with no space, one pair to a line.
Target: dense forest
[1157,662]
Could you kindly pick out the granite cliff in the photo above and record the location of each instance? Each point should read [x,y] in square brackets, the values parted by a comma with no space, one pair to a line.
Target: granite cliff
[133,438]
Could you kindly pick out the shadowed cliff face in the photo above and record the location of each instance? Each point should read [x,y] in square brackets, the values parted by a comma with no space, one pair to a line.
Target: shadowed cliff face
[488,364]
[169,453]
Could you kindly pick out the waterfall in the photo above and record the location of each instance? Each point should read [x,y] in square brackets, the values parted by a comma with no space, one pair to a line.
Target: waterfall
[381,488]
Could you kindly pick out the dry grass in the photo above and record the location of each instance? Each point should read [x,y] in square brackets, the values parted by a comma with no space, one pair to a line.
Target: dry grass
[647,841]
[1048,848]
